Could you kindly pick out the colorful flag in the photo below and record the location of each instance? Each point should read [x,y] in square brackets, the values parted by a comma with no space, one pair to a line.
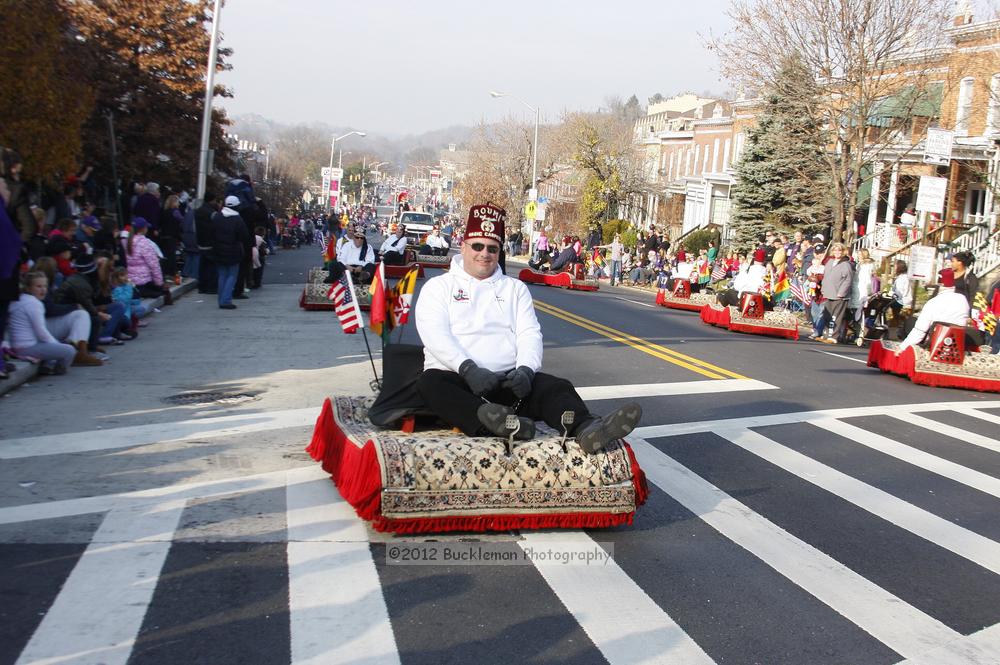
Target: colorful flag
[402,296]
[765,287]
[800,293]
[985,314]
[378,319]
[597,258]
[329,249]
[345,303]
[719,272]
[782,288]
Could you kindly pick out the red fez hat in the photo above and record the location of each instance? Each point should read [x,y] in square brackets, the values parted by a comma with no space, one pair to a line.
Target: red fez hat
[486,221]
[759,256]
[947,278]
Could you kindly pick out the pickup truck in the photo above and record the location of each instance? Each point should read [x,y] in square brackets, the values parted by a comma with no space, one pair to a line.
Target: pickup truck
[418,225]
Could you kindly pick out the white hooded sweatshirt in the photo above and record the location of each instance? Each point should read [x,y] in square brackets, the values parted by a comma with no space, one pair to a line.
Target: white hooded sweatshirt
[492,321]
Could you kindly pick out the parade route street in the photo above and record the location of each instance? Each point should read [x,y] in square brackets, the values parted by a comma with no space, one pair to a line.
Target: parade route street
[804,509]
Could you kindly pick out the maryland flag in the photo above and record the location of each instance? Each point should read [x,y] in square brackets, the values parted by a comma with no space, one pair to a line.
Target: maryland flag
[402,296]
[782,287]
[380,319]
[986,319]
[765,288]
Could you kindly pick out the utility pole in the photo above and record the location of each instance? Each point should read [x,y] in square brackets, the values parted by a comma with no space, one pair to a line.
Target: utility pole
[206,121]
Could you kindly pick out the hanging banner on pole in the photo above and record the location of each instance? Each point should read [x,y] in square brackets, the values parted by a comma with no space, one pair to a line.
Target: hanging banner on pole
[930,196]
[937,146]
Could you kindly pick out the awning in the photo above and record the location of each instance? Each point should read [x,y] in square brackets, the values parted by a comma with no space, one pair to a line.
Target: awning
[908,102]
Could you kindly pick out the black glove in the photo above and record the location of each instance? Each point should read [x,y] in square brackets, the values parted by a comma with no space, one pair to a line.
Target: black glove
[480,380]
[519,381]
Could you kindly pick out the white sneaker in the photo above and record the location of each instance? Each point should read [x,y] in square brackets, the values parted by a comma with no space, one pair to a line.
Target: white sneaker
[101,356]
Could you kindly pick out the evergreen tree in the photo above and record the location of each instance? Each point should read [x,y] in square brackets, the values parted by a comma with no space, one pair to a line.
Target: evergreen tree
[782,178]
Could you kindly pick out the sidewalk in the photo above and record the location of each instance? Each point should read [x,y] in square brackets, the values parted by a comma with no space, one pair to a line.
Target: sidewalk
[26,371]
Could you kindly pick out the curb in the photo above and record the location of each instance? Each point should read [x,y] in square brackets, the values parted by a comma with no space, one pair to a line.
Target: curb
[26,371]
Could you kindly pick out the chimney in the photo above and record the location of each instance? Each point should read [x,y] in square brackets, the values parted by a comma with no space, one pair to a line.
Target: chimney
[963,12]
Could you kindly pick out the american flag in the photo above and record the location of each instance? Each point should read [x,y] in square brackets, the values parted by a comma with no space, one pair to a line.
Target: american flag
[345,303]
[719,272]
[799,293]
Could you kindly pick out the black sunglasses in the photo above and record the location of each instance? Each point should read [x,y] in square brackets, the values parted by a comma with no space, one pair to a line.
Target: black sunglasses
[480,246]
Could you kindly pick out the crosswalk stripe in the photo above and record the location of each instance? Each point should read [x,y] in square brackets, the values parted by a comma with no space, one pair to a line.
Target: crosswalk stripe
[676,388]
[621,620]
[902,411]
[982,415]
[99,610]
[961,474]
[949,430]
[928,526]
[897,624]
[981,648]
[336,608]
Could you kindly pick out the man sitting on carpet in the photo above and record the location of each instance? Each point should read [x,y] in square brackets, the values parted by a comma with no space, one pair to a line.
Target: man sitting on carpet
[948,306]
[355,256]
[749,281]
[394,248]
[435,245]
[483,350]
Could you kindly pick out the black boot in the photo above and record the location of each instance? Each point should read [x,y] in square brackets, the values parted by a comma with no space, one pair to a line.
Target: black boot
[595,433]
[494,417]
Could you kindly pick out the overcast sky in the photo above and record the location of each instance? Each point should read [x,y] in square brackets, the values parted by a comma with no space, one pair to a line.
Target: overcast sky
[396,67]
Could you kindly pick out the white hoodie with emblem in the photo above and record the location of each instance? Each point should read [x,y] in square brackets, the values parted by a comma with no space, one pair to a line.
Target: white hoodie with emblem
[492,321]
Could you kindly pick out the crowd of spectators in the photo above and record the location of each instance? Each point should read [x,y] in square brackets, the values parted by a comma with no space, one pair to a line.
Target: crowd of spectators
[73,275]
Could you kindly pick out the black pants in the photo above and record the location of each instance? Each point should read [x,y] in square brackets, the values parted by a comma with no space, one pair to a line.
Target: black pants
[208,276]
[393,259]
[168,245]
[448,395]
[337,269]
[837,309]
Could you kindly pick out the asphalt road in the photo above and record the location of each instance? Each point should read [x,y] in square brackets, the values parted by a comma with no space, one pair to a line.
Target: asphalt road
[804,509]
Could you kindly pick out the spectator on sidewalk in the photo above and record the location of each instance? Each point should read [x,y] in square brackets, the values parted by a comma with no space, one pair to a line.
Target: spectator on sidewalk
[170,228]
[79,289]
[143,259]
[229,237]
[259,260]
[31,338]
[837,279]
[147,205]
[189,242]
[208,278]
[966,281]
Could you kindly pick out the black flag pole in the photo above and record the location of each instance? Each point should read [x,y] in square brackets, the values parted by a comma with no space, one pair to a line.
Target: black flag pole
[371,358]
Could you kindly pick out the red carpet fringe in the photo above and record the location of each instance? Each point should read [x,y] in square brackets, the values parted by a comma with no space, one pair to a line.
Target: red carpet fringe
[904,365]
[767,331]
[355,471]
[358,477]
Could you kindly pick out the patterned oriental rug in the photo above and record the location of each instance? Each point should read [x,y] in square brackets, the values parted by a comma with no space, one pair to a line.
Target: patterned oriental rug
[314,294]
[691,303]
[440,480]
[774,324]
[979,370]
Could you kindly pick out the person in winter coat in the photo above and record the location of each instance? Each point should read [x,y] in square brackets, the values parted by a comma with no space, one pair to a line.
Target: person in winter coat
[171,226]
[142,257]
[837,279]
[230,241]
[483,350]
[208,278]
[147,205]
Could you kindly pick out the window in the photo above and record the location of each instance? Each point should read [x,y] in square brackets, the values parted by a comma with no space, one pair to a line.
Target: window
[964,107]
[715,156]
[993,114]
[725,154]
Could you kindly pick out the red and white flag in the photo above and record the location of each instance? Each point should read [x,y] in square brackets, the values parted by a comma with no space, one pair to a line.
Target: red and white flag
[345,303]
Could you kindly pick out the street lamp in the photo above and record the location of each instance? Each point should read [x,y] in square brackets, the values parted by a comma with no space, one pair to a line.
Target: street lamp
[333,143]
[534,146]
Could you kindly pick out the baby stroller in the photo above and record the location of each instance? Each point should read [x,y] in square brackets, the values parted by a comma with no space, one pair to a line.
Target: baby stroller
[874,324]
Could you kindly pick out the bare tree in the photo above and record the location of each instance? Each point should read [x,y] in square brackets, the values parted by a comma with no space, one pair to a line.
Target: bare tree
[873,59]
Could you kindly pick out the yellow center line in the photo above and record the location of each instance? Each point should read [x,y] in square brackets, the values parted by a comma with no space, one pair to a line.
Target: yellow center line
[688,362]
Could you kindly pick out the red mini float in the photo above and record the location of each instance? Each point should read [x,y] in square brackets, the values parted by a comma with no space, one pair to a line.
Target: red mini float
[680,297]
[946,363]
[418,482]
[397,272]
[427,260]
[751,317]
[566,280]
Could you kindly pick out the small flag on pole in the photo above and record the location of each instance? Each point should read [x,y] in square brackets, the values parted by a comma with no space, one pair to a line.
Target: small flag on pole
[345,303]
[800,293]
[719,272]
[402,296]
[379,320]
